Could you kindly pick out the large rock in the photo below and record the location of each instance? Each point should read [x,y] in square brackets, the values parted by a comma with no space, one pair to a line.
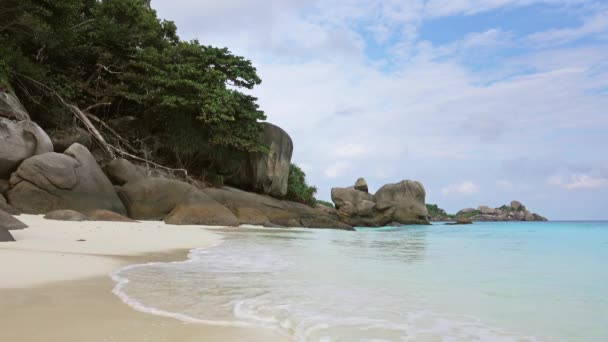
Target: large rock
[4,186]
[400,203]
[9,209]
[408,199]
[349,196]
[19,141]
[174,201]
[72,180]
[361,185]
[252,208]
[517,206]
[122,171]
[107,216]
[64,138]
[7,221]
[485,210]
[5,235]
[11,107]
[65,215]
[267,172]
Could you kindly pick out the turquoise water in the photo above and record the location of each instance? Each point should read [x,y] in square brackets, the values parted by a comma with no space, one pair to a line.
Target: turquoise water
[488,282]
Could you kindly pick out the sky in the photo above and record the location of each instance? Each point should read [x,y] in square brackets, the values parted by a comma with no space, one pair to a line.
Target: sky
[483,101]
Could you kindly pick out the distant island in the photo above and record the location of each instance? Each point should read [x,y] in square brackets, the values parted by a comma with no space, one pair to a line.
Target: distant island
[515,211]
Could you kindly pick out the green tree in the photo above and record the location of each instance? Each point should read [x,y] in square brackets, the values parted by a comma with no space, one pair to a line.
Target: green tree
[297,188]
[119,57]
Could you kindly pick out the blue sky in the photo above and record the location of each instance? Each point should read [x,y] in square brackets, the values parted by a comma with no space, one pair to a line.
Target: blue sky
[483,101]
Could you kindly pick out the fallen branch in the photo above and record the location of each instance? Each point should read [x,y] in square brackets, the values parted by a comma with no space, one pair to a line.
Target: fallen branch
[109,149]
[123,153]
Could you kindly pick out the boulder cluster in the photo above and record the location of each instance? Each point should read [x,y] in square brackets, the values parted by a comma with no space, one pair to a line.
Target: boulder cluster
[516,211]
[393,204]
[66,182]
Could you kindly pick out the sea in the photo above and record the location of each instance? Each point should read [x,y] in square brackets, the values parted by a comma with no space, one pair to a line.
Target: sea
[495,281]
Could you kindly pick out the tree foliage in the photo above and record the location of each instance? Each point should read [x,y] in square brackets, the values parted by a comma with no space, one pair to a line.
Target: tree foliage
[189,99]
[297,188]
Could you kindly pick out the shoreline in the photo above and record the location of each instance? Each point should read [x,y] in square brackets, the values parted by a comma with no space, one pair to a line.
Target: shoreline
[56,288]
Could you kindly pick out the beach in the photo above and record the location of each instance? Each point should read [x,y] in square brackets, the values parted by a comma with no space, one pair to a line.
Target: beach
[56,283]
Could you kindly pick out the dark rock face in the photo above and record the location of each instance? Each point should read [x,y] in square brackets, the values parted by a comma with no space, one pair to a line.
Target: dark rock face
[72,180]
[254,208]
[19,141]
[122,171]
[4,186]
[400,203]
[11,107]
[267,173]
[174,201]
[65,215]
[5,235]
[107,216]
[63,139]
[8,222]
[4,206]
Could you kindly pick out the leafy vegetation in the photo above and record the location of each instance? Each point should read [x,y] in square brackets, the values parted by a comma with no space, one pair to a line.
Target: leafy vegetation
[470,214]
[297,188]
[325,203]
[119,59]
[435,211]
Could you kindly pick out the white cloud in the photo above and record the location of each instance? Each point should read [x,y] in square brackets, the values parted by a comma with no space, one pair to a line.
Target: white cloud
[577,181]
[337,169]
[596,24]
[440,8]
[350,150]
[462,188]
[417,110]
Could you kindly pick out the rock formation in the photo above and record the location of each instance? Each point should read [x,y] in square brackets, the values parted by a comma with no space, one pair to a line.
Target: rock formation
[65,215]
[11,107]
[361,185]
[5,235]
[251,208]
[173,201]
[516,211]
[107,216]
[400,203]
[9,209]
[8,222]
[121,171]
[19,141]
[267,172]
[64,138]
[72,180]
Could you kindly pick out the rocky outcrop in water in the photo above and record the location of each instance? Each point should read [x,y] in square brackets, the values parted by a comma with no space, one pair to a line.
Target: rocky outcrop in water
[399,203]
[515,211]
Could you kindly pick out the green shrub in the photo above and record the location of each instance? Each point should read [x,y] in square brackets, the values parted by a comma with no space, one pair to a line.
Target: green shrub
[297,189]
[325,203]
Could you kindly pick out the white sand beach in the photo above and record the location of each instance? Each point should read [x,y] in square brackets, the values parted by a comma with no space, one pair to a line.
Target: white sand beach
[56,285]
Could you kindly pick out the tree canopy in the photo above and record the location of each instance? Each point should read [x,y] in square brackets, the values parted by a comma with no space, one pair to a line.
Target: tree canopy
[118,58]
